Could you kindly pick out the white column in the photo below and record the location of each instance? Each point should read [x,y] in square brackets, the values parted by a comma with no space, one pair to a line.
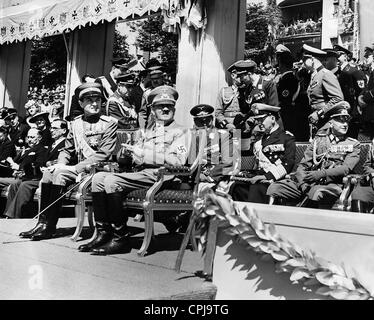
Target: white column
[90,51]
[15,61]
[366,21]
[204,56]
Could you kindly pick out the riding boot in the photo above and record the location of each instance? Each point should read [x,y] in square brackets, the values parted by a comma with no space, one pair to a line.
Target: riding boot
[118,219]
[45,191]
[104,231]
[51,214]
[359,206]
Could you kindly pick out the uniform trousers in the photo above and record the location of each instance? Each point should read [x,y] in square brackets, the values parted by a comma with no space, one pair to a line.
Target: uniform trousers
[365,194]
[124,182]
[244,191]
[20,195]
[61,177]
[288,189]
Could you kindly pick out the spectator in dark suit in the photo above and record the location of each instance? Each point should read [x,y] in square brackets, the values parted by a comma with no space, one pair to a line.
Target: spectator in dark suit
[26,165]
[17,128]
[22,191]
[7,149]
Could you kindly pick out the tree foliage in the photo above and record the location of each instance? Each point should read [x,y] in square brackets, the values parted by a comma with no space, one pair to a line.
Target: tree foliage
[151,38]
[48,62]
[261,24]
[120,46]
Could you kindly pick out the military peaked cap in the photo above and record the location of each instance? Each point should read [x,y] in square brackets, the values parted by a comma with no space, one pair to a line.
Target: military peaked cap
[313,52]
[280,48]
[89,89]
[163,95]
[341,50]
[331,52]
[127,78]
[201,110]
[339,109]
[261,110]
[10,112]
[242,66]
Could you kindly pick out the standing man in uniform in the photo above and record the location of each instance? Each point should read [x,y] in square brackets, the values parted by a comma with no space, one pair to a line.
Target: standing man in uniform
[145,117]
[288,89]
[119,105]
[329,158]
[164,143]
[17,128]
[324,89]
[92,139]
[366,98]
[275,155]
[352,82]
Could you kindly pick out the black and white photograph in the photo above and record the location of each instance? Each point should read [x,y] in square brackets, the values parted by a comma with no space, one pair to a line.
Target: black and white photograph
[186,154]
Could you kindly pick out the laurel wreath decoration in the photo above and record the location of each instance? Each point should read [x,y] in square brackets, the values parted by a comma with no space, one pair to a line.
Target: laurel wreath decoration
[313,273]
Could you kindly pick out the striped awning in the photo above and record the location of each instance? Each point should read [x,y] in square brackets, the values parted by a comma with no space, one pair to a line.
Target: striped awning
[39,18]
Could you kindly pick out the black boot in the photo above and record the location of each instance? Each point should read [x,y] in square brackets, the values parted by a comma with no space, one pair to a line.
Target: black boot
[118,218]
[104,230]
[51,214]
[359,206]
[118,244]
[45,191]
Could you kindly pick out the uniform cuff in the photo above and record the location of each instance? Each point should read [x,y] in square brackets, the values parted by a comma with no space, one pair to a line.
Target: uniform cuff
[278,172]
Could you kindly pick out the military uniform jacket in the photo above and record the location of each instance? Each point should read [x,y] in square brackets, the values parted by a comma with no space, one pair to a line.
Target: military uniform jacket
[31,160]
[122,110]
[288,88]
[7,149]
[368,97]
[163,145]
[227,104]
[219,154]
[324,90]
[18,135]
[263,92]
[335,157]
[91,142]
[352,82]
[275,154]
[144,112]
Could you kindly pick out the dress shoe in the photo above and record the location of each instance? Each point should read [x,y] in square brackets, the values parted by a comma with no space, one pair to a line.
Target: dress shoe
[28,234]
[103,236]
[46,232]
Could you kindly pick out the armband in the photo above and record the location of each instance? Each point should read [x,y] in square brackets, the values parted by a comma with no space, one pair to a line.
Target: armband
[223,124]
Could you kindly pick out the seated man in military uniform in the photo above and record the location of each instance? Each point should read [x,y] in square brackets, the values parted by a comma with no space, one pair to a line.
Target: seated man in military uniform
[330,157]
[363,195]
[165,142]
[119,105]
[275,155]
[92,139]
